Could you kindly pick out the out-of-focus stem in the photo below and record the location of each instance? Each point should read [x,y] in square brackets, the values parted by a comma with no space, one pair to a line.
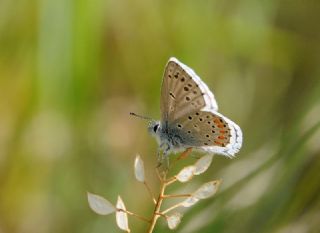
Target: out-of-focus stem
[150,192]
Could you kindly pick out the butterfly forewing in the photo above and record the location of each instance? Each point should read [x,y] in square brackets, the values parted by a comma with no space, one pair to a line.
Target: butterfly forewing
[183,92]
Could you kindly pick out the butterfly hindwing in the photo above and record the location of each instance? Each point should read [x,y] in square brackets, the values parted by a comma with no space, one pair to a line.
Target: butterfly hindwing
[209,131]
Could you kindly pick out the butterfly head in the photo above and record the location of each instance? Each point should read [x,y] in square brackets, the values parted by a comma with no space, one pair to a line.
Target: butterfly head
[154,128]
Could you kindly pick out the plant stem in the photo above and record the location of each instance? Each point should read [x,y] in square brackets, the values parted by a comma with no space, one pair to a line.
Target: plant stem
[171,180]
[163,184]
[135,215]
[161,215]
[150,192]
[158,205]
[176,195]
[172,208]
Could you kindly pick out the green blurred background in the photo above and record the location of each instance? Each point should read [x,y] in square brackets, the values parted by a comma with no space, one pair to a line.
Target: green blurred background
[71,71]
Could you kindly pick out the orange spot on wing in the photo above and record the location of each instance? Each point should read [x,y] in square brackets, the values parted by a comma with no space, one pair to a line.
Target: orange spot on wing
[221,137]
[217,142]
[223,131]
[220,125]
[216,120]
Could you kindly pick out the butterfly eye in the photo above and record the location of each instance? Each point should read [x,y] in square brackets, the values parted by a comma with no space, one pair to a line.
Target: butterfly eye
[155,128]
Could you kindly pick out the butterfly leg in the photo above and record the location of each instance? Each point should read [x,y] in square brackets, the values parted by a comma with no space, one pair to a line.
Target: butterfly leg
[166,156]
[160,155]
[185,154]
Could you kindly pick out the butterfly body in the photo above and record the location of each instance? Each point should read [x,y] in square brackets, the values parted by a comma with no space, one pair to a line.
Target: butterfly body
[172,139]
[190,117]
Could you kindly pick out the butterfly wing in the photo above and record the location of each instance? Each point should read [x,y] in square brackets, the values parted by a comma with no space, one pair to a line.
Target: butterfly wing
[209,131]
[183,91]
[189,108]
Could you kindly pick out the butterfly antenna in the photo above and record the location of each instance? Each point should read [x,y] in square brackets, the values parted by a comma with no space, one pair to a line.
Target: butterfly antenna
[139,116]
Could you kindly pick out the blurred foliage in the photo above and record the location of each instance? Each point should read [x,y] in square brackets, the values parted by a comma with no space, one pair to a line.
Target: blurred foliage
[70,71]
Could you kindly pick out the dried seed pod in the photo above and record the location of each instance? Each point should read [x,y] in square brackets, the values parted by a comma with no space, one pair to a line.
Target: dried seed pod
[206,190]
[139,169]
[100,205]
[203,164]
[186,174]
[174,220]
[121,216]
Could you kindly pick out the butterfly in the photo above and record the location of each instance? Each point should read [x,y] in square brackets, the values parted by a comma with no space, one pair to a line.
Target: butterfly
[190,117]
